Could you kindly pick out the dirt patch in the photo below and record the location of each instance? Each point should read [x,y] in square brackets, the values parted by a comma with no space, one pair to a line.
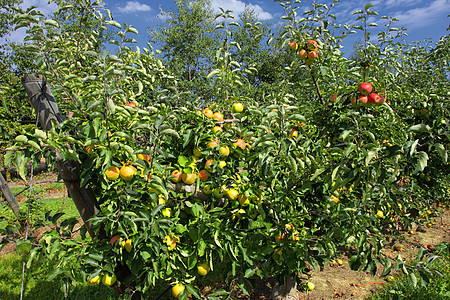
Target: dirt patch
[338,281]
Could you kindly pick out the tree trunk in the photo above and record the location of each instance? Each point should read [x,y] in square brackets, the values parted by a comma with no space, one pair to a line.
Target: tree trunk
[48,112]
[9,197]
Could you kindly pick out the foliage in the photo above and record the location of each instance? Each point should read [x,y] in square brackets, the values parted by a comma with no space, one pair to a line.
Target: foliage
[295,177]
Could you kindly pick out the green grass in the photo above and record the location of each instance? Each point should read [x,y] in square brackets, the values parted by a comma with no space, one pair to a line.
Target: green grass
[437,289]
[37,287]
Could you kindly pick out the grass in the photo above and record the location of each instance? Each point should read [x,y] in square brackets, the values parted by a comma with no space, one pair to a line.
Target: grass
[36,285]
[437,289]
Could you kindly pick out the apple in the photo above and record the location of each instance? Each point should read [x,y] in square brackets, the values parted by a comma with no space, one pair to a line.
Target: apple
[112,173]
[217,129]
[108,279]
[176,176]
[293,46]
[311,286]
[312,45]
[218,116]
[207,189]
[354,102]
[224,150]
[209,164]
[222,164]
[303,54]
[333,98]
[203,268]
[232,194]
[365,88]
[294,133]
[127,172]
[362,100]
[308,61]
[145,157]
[207,112]
[189,178]
[313,55]
[375,99]
[130,104]
[239,143]
[212,144]
[203,175]
[94,281]
[166,213]
[197,152]
[177,289]
[238,107]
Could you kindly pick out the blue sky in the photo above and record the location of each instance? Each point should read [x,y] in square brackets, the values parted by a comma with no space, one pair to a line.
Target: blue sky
[423,18]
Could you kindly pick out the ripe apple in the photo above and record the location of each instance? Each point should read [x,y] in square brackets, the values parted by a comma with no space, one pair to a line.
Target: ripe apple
[94,281]
[189,178]
[365,88]
[209,164]
[311,286]
[176,176]
[130,104]
[232,194]
[224,150]
[238,107]
[207,112]
[312,45]
[212,144]
[293,46]
[203,175]
[333,98]
[112,173]
[177,289]
[218,116]
[362,100]
[222,164]
[380,214]
[217,129]
[108,279]
[203,268]
[145,157]
[303,54]
[313,55]
[239,143]
[127,172]
[375,99]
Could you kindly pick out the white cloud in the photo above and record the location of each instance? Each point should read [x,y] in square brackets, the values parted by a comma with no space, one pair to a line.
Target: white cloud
[134,6]
[238,7]
[423,16]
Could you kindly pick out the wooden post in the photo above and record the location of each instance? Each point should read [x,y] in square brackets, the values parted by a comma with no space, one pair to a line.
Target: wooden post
[48,112]
[9,197]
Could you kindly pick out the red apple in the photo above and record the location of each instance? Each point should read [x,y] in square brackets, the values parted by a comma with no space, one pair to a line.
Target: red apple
[365,88]
[353,102]
[312,45]
[293,46]
[333,98]
[362,100]
[313,55]
[303,54]
[375,99]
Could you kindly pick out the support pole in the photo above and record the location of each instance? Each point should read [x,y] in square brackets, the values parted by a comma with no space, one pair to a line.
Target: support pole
[9,197]
[48,113]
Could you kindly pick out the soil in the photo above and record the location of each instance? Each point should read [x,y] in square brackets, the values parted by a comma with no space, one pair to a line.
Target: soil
[334,281]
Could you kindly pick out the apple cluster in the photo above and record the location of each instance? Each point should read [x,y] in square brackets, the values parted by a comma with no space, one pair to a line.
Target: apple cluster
[366,97]
[308,52]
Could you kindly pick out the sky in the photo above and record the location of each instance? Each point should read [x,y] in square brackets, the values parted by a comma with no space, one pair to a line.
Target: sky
[423,18]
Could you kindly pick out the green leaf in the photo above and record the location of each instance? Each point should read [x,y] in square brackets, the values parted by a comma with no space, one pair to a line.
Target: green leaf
[193,291]
[170,132]
[419,128]
[23,247]
[368,5]
[422,162]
